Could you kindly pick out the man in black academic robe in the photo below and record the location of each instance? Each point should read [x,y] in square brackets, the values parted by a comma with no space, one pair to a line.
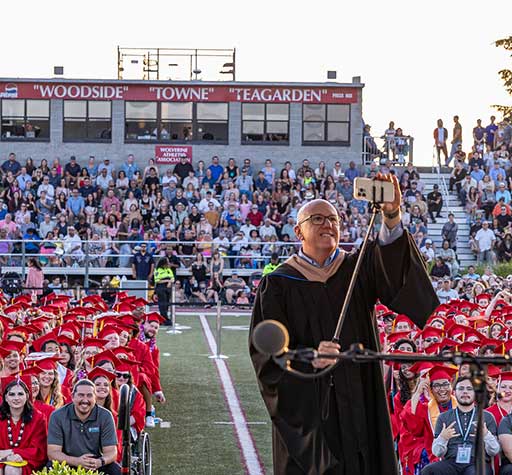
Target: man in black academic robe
[339,424]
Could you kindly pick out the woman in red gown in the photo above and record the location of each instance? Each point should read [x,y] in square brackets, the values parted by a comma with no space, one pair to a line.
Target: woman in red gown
[22,430]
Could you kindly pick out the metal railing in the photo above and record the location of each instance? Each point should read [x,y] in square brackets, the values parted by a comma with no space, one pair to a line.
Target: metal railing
[399,150]
[436,167]
[88,258]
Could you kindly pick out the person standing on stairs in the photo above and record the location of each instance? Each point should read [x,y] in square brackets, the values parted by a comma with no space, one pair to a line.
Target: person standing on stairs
[450,230]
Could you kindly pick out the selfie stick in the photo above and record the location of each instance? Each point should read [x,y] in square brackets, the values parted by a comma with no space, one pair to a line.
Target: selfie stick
[374,205]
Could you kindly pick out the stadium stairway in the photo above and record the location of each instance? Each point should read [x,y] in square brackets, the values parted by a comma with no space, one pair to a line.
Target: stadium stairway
[454,206]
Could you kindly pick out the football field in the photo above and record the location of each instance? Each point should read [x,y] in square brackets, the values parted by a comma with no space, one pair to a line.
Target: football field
[214,421]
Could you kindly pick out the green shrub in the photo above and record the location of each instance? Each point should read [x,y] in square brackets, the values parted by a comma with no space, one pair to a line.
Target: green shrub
[502,269]
[62,468]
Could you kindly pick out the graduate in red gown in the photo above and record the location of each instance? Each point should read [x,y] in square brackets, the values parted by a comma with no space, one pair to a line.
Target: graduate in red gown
[22,429]
[124,375]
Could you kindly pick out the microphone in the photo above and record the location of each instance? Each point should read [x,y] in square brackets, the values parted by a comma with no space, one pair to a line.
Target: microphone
[271,338]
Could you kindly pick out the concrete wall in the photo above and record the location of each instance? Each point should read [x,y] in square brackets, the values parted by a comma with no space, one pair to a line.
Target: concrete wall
[118,150]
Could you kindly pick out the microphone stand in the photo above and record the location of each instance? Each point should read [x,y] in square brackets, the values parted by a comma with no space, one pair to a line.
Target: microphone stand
[358,354]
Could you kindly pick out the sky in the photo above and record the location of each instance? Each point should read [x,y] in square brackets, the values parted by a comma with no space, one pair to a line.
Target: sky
[420,61]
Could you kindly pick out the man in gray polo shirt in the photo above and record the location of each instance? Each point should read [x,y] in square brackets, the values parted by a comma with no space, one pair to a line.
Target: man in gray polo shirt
[82,433]
[455,435]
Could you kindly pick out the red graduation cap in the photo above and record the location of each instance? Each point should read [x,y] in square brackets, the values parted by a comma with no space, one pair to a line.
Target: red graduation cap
[6,322]
[442,372]
[156,317]
[140,302]
[380,309]
[468,347]
[403,319]
[123,352]
[106,355]
[69,328]
[429,332]
[98,372]
[33,370]
[420,367]
[493,371]
[48,363]
[92,299]
[394,337]
[25,380]
[480,299]
[109,330]
[65,340]
[94,342]
[14,308]
[124,307]
[506,376]
[40,342]
[22,298]
[53,309]
[10,345]
[127,365]
[500,303]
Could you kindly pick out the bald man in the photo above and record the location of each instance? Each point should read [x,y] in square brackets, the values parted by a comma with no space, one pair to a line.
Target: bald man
[338,424]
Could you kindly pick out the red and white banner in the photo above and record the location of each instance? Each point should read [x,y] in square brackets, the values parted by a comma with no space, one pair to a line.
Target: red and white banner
[171,154]
[178,93]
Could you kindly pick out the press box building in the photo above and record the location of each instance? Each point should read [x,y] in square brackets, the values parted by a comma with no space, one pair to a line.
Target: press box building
[48,118]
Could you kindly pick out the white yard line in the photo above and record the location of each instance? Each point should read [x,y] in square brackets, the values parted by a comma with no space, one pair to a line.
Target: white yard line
[249,453]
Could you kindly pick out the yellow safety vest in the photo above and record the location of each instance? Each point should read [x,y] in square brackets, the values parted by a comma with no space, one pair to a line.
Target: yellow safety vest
[163,273]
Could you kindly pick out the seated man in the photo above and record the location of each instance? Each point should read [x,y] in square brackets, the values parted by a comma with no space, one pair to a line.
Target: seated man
[82,433]
[232,285]
[455,435]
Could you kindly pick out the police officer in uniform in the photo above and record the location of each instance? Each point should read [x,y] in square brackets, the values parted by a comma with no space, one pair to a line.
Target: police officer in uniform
[164,278]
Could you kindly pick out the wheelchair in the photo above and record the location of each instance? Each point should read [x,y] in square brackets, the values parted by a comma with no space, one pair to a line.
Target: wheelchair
[137,457]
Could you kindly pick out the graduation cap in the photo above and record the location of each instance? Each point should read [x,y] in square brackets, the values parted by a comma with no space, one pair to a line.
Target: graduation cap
[394,337]
[22,298]
[21,380]
[6,322]
[439,371]
[421,367]
[493,371]
[33,370]
[14,308]
[380,309]
[100,372]
[53,309]
[90,342]
[124,307]
[65,340]
[93,299]
[48,363]
[483,299]
[69,328]
[122,352]
[40,342]
[127,365]
[156,317]
[468,347]
[506,376]
[106,355]
[431,332]
[403,319]
[500,303]
[11,345]
[490,342]
[140,302]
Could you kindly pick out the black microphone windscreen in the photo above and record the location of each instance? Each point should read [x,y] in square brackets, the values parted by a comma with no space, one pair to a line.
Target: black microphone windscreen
[270,337]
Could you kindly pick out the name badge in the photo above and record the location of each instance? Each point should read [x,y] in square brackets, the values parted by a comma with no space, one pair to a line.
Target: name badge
[94,429]
[463,454]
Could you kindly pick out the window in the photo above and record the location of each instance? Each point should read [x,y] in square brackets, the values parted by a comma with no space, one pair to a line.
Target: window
[87,121]
[177,122]
[141,121]
[265,123]
[327,124]
[25,119]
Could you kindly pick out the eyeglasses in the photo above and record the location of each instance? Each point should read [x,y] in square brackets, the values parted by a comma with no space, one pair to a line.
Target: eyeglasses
[319,219]
[437,386]
[123,375]
[431,340]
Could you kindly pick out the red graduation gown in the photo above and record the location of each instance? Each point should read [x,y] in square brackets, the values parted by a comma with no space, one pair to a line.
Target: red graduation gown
[45,409]
[32,447]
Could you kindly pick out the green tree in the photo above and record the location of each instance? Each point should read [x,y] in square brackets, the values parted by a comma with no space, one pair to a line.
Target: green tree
[506,76]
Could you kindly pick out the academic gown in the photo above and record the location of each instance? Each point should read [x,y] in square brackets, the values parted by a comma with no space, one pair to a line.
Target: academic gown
[343,429]
[32,446]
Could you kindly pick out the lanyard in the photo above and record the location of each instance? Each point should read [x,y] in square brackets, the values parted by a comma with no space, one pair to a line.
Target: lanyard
[468,430]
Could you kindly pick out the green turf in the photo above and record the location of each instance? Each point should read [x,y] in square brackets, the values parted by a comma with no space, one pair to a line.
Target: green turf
[194,444]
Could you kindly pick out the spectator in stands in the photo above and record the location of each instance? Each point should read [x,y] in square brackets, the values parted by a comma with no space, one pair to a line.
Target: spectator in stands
[11,165]
[440,138]
[449,257]
[214,288]
[485,240]
[440,270]
[351,172]
[446,293]
[72,168]
[450,231]
[72,247]
[427,251]
[504,250]
[435,203]
[232,286]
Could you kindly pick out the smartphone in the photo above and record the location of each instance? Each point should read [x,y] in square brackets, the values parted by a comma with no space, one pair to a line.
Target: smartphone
[373,190]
